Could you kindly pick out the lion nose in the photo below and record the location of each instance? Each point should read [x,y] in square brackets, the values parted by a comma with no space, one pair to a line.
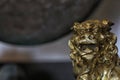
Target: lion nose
[87,50]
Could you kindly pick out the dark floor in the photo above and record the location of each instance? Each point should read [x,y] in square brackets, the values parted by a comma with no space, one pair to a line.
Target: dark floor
[46,71]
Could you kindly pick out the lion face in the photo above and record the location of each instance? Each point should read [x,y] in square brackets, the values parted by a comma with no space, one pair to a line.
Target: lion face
[93,43]
[89,36]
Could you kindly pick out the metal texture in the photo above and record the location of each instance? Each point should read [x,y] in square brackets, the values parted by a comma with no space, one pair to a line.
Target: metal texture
[93,51]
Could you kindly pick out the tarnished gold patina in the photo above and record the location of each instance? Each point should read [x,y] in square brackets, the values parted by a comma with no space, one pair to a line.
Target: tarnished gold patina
[93,51]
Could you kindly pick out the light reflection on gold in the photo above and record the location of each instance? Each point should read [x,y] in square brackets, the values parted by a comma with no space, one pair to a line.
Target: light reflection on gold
[93,51]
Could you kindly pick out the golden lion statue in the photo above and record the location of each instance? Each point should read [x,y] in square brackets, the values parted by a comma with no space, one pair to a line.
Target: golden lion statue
[93,51]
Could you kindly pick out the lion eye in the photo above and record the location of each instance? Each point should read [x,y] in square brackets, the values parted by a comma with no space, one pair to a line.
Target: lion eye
[83,48]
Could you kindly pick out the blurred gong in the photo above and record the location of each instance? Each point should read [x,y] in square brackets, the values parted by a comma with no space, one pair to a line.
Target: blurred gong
[30,22]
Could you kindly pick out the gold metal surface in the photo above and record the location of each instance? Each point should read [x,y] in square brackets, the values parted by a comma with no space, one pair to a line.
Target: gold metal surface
[93,51]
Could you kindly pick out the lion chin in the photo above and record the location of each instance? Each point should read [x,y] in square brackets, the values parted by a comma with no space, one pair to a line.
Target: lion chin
[93,51]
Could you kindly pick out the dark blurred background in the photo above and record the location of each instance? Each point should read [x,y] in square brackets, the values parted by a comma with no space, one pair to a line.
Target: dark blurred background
[30,22]
[36,71]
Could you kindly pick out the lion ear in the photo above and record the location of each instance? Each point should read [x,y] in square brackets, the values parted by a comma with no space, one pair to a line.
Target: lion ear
[75,25]
[107,22]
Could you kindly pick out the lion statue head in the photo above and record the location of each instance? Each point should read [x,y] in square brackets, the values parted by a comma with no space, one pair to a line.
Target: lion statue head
[93,49]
